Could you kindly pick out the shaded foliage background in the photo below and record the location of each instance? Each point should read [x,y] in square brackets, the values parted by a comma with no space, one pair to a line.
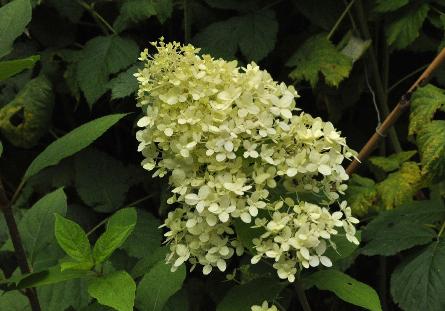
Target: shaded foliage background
[350,62]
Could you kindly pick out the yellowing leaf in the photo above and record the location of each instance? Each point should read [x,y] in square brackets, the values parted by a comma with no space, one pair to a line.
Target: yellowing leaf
[361,195]
[319,55]
[431,143]
[392,162]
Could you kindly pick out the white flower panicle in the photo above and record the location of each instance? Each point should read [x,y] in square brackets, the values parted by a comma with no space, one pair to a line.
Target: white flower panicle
[264,307]
[235,147]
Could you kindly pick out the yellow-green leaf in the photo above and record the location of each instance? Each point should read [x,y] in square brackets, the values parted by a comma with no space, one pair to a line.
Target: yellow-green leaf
[361,195]
[431,143]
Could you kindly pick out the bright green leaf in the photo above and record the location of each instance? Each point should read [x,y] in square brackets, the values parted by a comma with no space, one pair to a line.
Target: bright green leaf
[389,5]
[150,295]
[254,33]
[401,186]
[12,67]
[417,284]
[425,102]
[119,227]
[146,237]
[101,57]
[403,31]
[319,55]
[73,240]
[14,16]
[242,297]
[431,143]
[27,118]
[116,290]
[346,288]
[392,162]
[402,228]
[37,225]
[71,143]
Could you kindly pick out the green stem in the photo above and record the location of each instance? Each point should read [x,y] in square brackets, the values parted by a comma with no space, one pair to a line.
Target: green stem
[442,228]
[97,17]
[382,97]
[340,19]
[302,296]
[411,74]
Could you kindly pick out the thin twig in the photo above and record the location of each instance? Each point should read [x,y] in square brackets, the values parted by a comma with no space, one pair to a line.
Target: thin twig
[411,74]
[302,295]
[97,16]
[340,19]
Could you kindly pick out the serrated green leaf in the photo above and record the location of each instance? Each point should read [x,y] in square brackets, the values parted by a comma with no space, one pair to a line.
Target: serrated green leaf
[400,187]
[10,68]
[403,31]
[164,9]
[425,102]
[101,57]
[392,162]
[14,16]
[73,240]
[402,228]
[37,225]
[431,143]
[132,12]
[319,55]
[27,118]
[383,6]
[242,297]
[146,237]
[71,143]
[361,195]
[151,296]
[119,227]
[346,288]
[417,284]
[116,290]
[254,34]
[102,182]
[124,84]
[63,295]
[13,301]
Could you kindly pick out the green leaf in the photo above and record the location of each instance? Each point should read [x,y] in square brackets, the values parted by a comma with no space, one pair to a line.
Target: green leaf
[319,55]
[119,227]
[27,118]
[346,288]
[14,16]
[63,295]
[242,297]
[150,295]
[361,195]
[164,9]
[402,228]
[178,302]
[146,237]
[254,34]
[418,283]
[71,143]
[124,84]
[343,248]
[102,182]
[116,290]
[13,301]
[400,187]
[383,6]
[246,234]
[145,264]
[403,31]
[132,12]
[392,162]
[73,240]
[10,68]
[430,141]
[101,57]
[37,225]
[425,103]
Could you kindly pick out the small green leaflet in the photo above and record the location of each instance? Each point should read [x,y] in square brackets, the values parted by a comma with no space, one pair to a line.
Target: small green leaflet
[116,290]
[14,16]
[71,143]
[254,34]
[119,227]
[417,284]
[319,55]
[345,287]
[403,31]
[151,295]
[74,241]
[12,67]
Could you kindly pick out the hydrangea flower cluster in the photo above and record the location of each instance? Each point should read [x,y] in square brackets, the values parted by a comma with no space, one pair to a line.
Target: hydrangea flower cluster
[236,148]
[264,307]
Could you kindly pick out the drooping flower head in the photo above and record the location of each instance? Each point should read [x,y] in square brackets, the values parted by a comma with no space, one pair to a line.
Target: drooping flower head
[238,151]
